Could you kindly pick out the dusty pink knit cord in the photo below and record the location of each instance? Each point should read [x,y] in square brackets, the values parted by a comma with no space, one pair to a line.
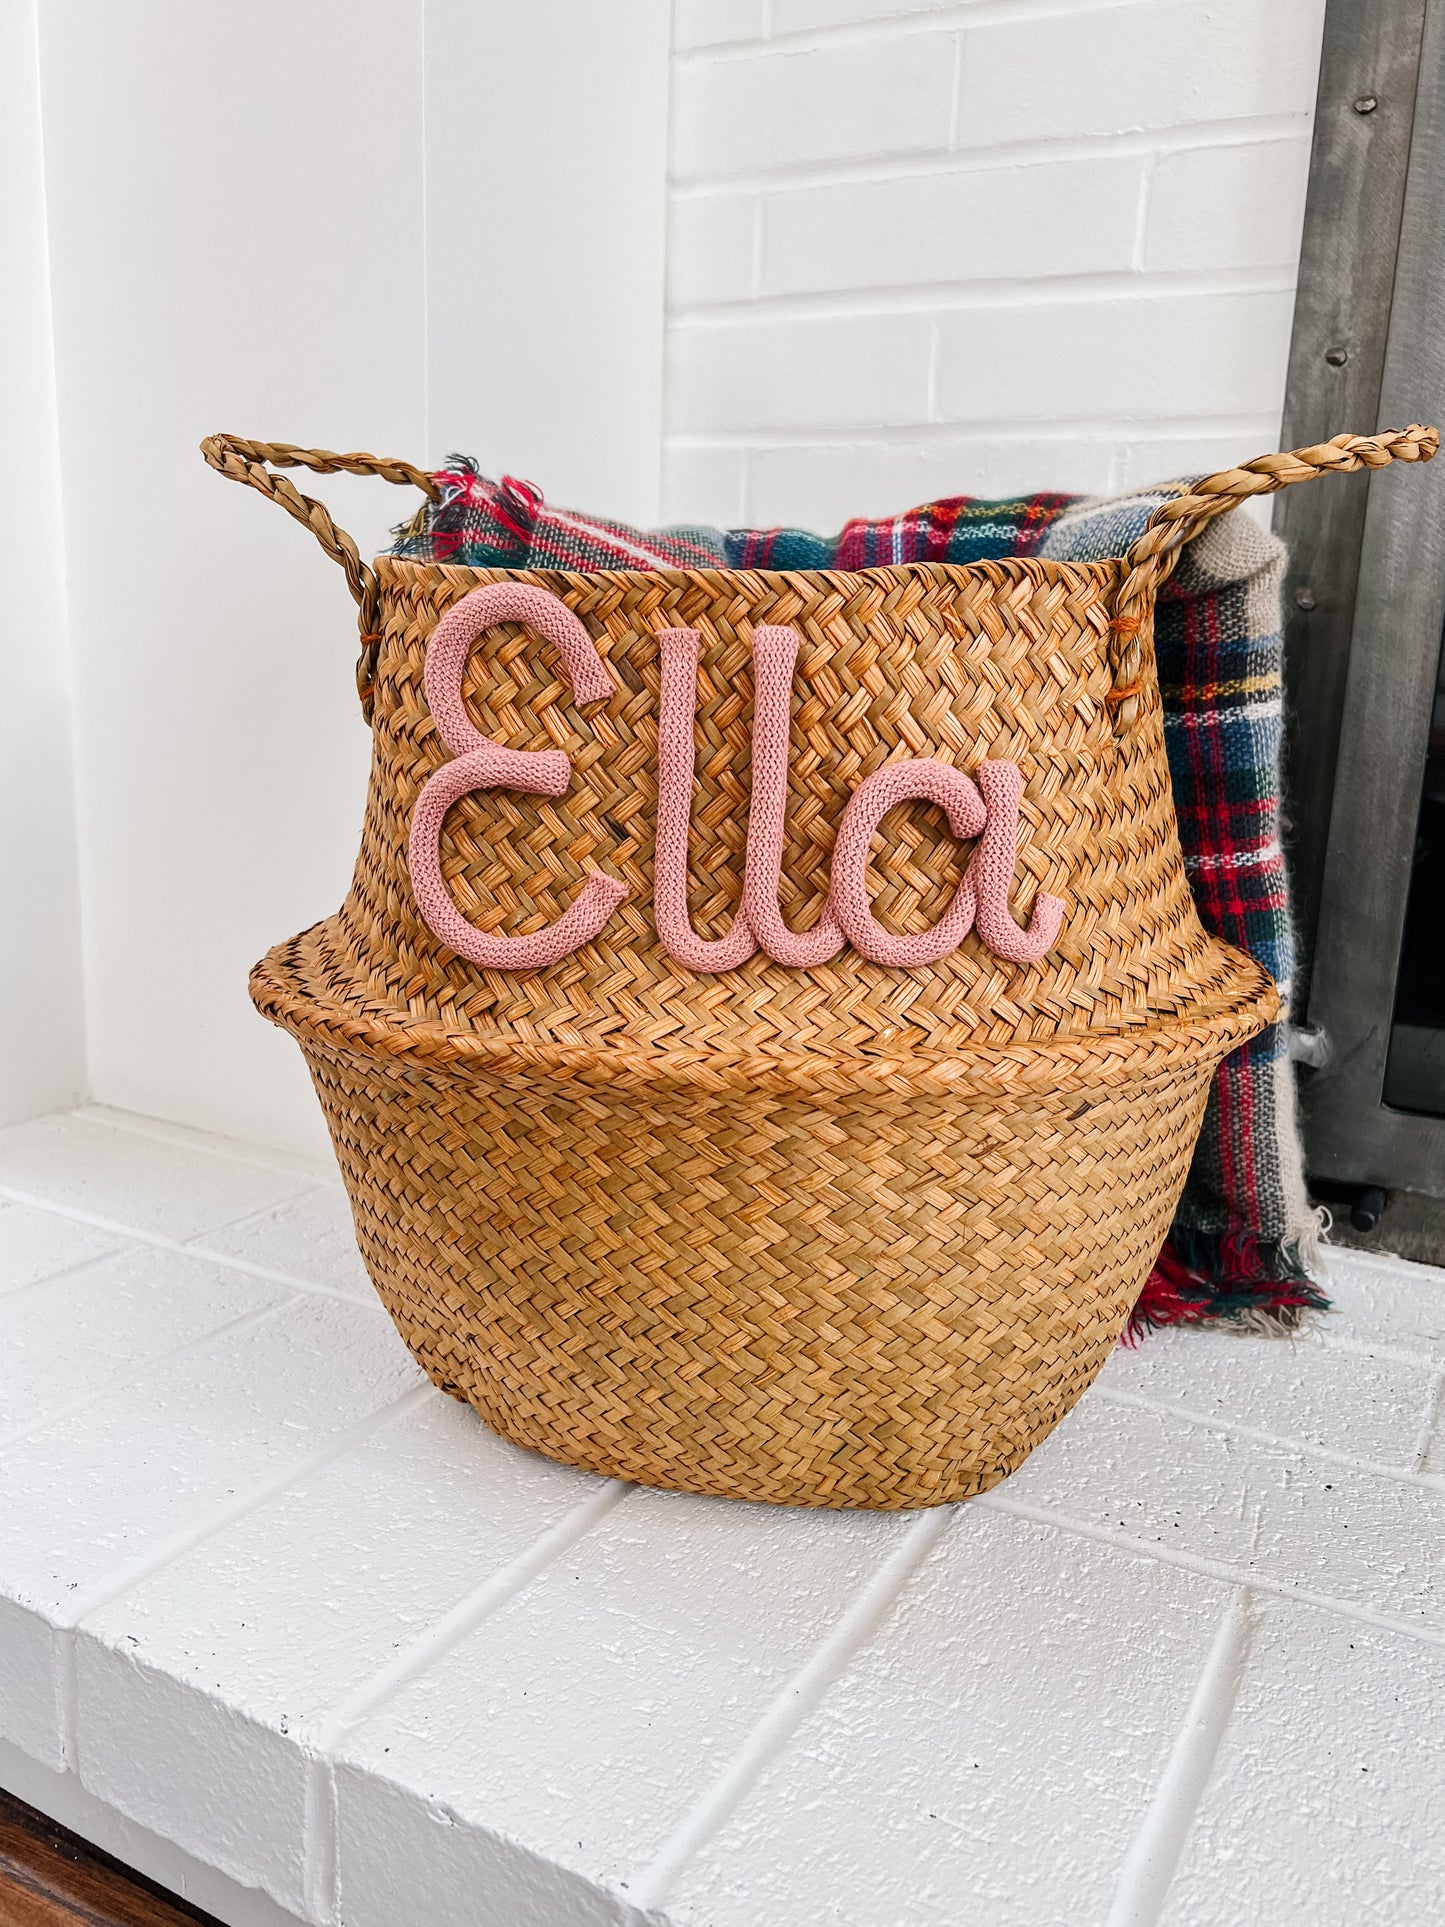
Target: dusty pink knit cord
[981,898]
[676,756]
[991,873]
[480,764]
[758,920]
[921,779]
[459,628]
[775,652]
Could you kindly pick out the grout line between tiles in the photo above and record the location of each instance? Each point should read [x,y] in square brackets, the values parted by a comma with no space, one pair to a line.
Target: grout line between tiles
[955,102]
[1428,1361]
[1056,430]
[244,1218]
[1429,1418]
[930,402]
[998,157]
[802,1694]
[319,1825]
[65,1271]
[1141,212]
[1219,1569]
[164,1552]
[161,1242]
[895,25]
[201,1341]
[1156,1849]
[1115,287]
[179,1137]
[1229,1428]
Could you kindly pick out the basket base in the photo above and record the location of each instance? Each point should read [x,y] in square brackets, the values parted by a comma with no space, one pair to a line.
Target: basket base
[877,1301]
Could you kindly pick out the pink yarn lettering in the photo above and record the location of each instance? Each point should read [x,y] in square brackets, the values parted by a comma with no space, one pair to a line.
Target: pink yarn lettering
[758,923]
[991,872]
[676,759]
[481,764]
[918,780]
[775,651]
[987,809]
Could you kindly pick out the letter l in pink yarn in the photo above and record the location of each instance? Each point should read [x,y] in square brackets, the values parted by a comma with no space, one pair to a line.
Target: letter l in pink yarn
[677,759]
[758,920]
[775,652]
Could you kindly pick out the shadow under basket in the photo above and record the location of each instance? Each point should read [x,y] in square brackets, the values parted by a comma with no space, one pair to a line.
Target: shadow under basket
[843,1235]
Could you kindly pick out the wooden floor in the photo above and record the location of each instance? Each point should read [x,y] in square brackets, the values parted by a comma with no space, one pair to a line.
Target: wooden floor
[51,1878]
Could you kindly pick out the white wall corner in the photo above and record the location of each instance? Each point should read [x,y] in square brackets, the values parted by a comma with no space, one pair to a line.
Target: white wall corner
[235,230]
[546,210]
[42,1030]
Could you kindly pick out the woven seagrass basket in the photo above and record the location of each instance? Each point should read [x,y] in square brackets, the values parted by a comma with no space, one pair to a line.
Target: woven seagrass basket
[845,1233]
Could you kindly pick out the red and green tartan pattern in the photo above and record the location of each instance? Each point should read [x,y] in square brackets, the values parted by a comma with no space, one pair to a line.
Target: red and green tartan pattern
[481,524]
[1243,1232]
[1236,1244]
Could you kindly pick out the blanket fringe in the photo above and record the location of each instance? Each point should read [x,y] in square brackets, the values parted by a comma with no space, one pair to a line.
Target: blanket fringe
[1234,1279]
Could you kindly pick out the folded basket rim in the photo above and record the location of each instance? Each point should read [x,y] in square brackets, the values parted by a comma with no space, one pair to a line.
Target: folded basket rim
[302,986]
[1105,569]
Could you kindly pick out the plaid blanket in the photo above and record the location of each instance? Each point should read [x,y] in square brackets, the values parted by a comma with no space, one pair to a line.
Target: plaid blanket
[1245,1238]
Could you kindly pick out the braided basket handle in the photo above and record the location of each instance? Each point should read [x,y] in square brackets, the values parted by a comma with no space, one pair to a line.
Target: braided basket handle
[1150,560]
[1180,519]
[252,462]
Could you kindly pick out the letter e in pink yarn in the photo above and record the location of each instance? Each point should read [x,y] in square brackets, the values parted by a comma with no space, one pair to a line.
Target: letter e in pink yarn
[482,764]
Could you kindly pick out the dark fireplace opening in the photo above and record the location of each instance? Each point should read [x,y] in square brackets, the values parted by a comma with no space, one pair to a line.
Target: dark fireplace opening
[1415,1069]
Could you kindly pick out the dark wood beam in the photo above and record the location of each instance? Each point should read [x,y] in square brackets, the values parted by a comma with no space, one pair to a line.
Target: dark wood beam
[52,1878]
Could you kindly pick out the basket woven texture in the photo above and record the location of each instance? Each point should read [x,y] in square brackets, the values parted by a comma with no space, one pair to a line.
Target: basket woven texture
[846,1235]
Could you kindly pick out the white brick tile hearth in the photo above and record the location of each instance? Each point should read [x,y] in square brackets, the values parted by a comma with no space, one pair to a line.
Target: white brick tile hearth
[294,1633]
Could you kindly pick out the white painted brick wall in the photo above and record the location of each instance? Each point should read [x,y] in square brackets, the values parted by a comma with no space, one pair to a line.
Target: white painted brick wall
[921,248]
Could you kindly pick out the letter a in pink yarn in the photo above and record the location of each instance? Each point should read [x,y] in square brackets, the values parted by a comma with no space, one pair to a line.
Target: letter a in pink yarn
[482,764]
[919,779]
[988,810]
[991,872]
